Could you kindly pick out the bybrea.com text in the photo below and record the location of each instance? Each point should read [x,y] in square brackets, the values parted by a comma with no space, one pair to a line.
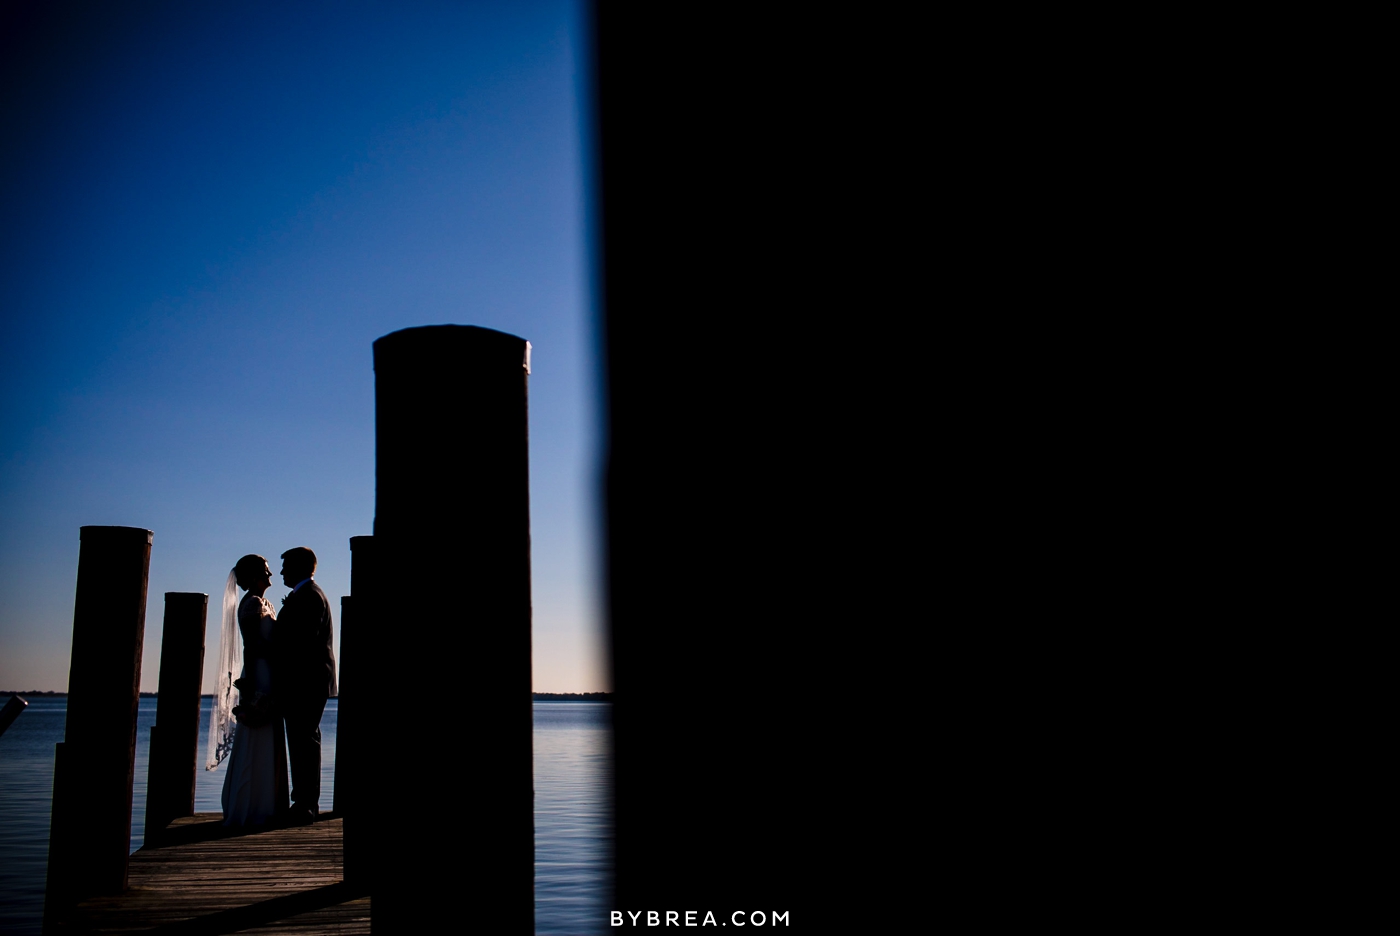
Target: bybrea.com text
[694,918]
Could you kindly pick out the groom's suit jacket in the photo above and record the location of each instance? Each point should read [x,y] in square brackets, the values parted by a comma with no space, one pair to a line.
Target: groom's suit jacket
[303,658]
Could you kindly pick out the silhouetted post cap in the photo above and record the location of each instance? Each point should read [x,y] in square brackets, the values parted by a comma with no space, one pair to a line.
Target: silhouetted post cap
[465,344]
[114,534]
[469,342]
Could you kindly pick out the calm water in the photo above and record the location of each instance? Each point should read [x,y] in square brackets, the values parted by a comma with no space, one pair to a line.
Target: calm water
[572,824]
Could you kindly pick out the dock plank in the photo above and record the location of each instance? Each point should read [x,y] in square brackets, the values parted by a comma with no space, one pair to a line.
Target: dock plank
[201,879]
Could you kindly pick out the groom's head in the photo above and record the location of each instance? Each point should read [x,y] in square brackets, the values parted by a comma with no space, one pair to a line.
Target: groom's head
[297,564]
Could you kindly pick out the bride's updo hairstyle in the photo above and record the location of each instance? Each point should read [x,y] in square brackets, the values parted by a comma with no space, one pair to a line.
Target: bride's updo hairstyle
[248,568]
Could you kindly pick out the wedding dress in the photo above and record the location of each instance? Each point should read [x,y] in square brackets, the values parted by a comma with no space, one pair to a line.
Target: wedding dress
[255,787]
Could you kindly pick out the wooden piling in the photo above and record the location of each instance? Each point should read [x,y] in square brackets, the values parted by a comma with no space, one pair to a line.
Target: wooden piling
[341,795]
[175,735]
[11,711]
[452,531]
[90,831]
[347,768]
[355,718]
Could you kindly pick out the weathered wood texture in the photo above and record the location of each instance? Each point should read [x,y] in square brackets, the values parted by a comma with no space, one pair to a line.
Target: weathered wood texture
[203,880]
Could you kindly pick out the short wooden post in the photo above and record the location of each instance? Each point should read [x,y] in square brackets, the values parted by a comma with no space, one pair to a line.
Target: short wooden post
[90,831]
[355,720]
[342,796]
[175,735]
[452,530]
[345,768]
[11,711]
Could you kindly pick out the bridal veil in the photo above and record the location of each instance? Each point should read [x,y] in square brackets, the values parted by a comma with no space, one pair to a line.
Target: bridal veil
[221,721]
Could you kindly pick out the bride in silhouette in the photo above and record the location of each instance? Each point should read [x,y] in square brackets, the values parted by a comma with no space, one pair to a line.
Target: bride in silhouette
[255,786]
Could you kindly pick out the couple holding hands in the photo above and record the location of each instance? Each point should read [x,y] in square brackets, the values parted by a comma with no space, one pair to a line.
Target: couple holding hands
[270,697]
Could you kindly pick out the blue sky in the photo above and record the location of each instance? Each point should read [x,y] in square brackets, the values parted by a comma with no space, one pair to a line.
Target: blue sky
[211,214]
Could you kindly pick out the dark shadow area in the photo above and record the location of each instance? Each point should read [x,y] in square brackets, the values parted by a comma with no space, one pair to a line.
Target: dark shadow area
[726,408]
[279,908]
[756,470]
[215,829]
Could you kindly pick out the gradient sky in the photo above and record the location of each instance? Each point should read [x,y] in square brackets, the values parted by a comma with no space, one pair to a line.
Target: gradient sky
[211,212]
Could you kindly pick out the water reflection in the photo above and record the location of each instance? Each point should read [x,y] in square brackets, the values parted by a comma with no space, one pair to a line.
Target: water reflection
[573,780]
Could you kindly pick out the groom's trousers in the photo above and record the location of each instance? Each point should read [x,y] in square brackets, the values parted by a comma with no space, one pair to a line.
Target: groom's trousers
[303,721]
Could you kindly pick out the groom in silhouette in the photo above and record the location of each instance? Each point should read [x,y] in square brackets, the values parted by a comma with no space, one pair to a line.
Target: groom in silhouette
[303,676]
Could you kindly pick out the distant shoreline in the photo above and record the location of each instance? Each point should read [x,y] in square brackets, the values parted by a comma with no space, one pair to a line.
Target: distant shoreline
[535,696]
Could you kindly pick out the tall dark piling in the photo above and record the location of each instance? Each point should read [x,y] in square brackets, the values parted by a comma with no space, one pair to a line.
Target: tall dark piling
[452,535]
[359,620]
[90,831]
[175,735]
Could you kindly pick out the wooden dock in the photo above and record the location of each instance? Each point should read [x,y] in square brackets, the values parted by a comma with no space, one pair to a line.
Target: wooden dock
[200,879]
